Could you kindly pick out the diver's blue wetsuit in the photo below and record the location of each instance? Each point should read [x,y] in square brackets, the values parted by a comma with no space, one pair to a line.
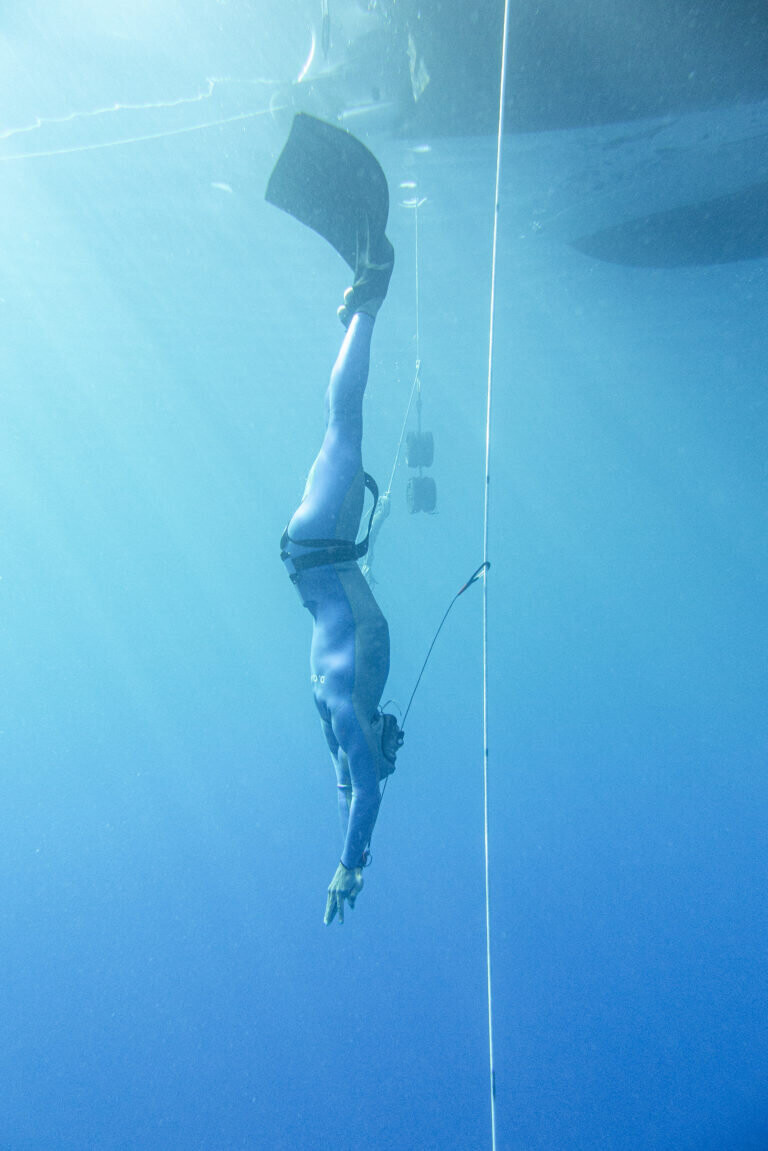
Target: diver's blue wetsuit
[349,659]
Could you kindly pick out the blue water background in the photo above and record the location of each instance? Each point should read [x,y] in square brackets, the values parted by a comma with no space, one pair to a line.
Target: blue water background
[168,810]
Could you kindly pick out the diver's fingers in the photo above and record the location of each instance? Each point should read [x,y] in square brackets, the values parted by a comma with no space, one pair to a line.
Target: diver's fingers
[330,908]
[340,905]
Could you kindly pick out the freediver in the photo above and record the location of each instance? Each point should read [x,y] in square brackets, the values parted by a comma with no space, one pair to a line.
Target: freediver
[331,182]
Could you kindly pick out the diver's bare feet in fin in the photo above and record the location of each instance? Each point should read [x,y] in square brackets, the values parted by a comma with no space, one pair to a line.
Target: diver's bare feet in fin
[329,181]
[373,269]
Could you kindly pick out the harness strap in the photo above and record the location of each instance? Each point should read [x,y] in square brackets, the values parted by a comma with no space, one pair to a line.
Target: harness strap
[330,551]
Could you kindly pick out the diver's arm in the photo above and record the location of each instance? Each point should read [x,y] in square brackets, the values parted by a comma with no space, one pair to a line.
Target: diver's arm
[343,782]
[359,744]
[363,809]
[347,882]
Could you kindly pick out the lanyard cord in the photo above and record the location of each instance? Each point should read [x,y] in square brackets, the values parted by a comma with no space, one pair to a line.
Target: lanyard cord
[472,579]
[486,521]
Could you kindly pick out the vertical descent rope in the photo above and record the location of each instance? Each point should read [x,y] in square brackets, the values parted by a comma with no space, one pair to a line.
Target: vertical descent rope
[497,193]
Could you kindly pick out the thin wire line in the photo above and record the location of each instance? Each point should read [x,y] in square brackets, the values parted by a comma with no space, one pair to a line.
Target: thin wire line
[486,521]
[416,262]
[164,135]
[383,505]
[416,388]
[416,383]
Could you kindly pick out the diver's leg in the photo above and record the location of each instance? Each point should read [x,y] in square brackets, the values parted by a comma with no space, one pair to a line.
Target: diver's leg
[333,498]
[349,376]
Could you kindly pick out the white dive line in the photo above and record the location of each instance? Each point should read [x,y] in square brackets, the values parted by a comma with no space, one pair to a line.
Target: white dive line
[486,510]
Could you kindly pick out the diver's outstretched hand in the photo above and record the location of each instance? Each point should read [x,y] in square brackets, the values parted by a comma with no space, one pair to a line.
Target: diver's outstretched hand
[347,884]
